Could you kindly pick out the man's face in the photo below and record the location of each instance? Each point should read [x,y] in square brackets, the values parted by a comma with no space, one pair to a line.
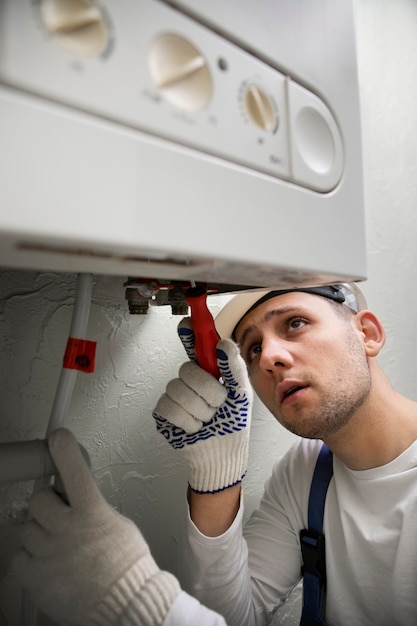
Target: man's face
[306,361]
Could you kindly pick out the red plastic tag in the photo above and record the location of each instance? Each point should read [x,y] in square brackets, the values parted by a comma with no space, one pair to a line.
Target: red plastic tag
[80,354]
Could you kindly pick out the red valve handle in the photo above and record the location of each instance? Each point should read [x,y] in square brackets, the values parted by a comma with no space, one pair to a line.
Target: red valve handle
[205,333]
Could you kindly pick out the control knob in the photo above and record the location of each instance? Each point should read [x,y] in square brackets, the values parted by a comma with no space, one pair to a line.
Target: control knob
[259,108]
[78,25]
[180,71]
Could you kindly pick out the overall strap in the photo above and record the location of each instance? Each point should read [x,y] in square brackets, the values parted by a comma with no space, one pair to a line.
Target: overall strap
[312,543]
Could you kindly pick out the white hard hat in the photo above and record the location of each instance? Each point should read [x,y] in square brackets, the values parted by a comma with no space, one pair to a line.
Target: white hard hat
[229,317]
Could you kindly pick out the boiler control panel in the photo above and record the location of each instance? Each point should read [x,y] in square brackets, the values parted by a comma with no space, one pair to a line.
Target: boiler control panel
[153,68]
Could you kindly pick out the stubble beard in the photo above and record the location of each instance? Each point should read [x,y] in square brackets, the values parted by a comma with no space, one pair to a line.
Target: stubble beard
[339,402]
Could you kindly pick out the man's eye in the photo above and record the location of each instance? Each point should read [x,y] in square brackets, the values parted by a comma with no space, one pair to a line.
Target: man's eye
[252,352]
[296,323]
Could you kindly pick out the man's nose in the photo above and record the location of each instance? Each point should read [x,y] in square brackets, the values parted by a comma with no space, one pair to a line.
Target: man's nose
[275,353]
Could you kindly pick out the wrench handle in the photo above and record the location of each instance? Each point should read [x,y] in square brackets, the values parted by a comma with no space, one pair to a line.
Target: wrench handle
[205,333]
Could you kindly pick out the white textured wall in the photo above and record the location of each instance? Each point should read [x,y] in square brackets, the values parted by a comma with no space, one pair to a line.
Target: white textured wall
[387,45]
[136,356]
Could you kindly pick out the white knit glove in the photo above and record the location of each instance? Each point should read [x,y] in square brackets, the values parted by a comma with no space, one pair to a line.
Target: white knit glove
[207,420]
[84,563]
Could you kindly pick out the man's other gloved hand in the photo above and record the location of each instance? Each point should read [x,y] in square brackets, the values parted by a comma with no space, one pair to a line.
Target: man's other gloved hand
[206,419]
[84,563]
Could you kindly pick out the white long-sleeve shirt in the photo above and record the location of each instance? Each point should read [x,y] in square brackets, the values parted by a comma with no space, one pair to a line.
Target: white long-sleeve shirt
[370,525]
[187,611]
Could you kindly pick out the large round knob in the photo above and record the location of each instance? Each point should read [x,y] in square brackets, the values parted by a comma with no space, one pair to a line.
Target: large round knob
[78,25]
[179,69]
[259,108]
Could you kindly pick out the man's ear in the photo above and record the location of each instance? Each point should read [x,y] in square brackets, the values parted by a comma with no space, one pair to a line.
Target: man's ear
[372,330]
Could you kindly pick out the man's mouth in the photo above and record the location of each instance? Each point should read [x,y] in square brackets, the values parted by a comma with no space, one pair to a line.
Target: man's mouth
[291,391]
[288,389]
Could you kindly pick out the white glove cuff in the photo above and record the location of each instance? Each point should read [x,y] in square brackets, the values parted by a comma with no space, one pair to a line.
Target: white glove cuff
[144,596]
[219,465]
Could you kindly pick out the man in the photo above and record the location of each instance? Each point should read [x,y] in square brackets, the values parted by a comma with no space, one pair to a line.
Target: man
[312,361]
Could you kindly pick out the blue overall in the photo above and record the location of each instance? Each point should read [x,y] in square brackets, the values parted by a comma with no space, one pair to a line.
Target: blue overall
[312,543]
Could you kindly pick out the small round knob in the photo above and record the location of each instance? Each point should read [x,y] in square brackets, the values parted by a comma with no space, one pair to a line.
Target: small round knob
[179,69]
[259,108]
[78,25]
